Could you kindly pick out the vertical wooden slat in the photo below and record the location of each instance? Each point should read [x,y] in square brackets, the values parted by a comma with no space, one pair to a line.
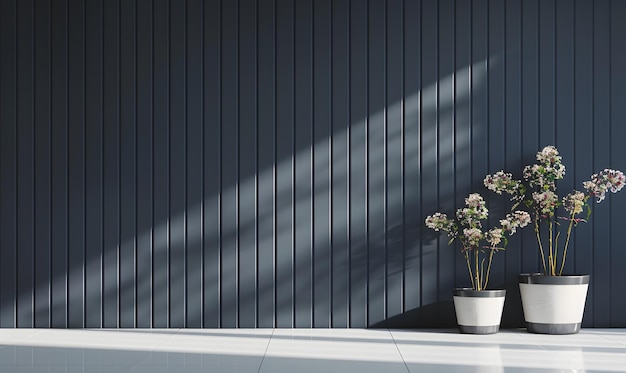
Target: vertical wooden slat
[59,163]
[230,163]
[601,159]
[547,57]
[564,103]
[93,164]
[429,147]
[178,173]
[412,156]
[394,193]
[212,161]
[581,254]
[8,163]
[284,163]
[496,126]
[160,156]
[462,117]
[247,165]
[128,164]
[266,163]
[76,164]
[195,203]
[513,148]
[322,169]
[530,115]
[358,165]
[618,135]
[446,150]
[111,166]
[145,163]
[25,165]
[303,167]
[42,197]
[376,161]
[340,163]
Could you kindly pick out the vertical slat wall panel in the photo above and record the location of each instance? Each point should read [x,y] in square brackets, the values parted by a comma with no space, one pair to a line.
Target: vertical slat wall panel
[247,281]
[195,161]
[601,158]
[8,163]
[303,163]
[161,168]
[583,132]
[322,169]
[42,198]
[394,190]
[462,111]
[413,227]
[111,163]
[59,165]
[340,163]
[229,208]
[358,166]
[266,163]
[512,135]
[284,162]
[178,163]
[212,163]
[76,164]
[617,133]
[428,149]
[25,165]
[270,163]
[93,160]
[445,110]
[376,170]
[145,165]
[128,164]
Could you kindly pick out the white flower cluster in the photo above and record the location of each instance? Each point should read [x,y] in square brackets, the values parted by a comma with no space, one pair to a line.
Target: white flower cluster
[604,181]
[518,219]
[475,211]
[472,237]
[438,222]
[546,201]
[503,182]
[574,202]
[549,154]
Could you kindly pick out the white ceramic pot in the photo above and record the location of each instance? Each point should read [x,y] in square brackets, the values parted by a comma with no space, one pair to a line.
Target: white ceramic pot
[478,312]
[553,304]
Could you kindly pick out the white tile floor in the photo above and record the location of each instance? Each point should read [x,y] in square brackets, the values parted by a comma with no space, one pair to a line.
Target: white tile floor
[307,350]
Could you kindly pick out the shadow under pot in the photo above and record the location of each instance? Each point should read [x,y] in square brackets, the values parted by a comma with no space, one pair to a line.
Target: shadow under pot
[478,312]
[553,304]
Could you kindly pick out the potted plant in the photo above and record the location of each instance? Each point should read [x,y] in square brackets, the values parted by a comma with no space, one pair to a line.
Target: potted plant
[478,310]
[553,302]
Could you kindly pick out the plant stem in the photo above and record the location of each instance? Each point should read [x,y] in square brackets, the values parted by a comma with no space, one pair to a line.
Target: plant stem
[551,254]
[569,232]
[477,273]
[488,268]
[469,268]
[543,258]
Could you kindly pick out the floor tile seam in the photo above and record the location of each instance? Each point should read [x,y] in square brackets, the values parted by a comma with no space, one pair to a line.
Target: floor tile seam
[147,353]
[398,349]
[267,347]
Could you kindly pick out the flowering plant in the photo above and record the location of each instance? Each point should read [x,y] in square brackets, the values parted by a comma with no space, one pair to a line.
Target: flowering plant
[467,227]
[544,203]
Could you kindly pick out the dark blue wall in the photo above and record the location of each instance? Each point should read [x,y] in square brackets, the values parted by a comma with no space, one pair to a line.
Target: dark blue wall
[260,163]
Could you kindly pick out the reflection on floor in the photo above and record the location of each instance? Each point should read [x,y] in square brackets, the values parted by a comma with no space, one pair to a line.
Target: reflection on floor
[307,350]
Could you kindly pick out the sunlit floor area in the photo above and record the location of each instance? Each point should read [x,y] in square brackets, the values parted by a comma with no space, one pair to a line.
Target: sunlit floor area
[307,350]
